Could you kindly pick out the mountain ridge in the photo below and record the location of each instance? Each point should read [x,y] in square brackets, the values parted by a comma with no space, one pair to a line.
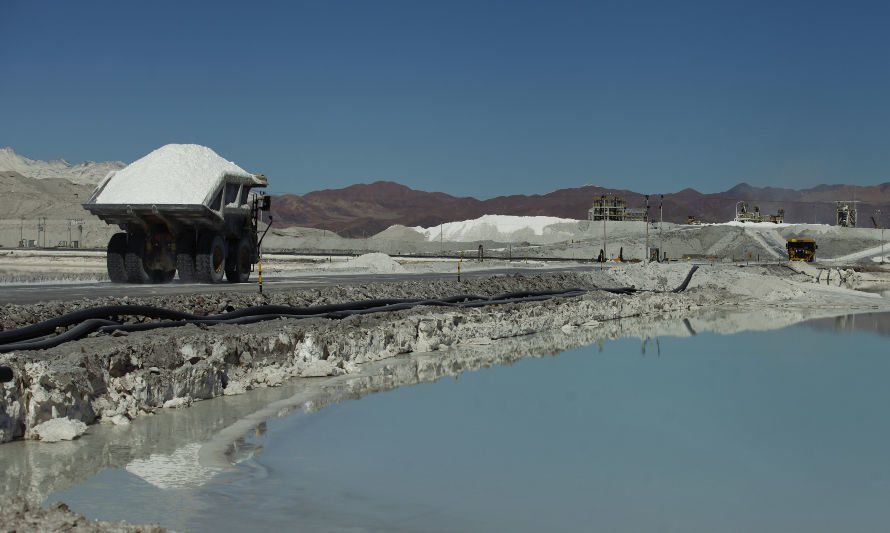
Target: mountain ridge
[364,209]
[83,173]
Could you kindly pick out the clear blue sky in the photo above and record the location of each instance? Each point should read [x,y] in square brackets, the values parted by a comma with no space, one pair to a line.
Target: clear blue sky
[469,98]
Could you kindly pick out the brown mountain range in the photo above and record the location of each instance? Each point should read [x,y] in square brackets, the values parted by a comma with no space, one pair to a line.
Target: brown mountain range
[366,209]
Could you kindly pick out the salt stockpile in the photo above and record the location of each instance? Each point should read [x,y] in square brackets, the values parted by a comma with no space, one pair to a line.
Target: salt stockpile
[172,174]
[376,262]
[504,228]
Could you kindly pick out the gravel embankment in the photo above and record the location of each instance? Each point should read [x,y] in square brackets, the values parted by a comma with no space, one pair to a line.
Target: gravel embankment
[118,377]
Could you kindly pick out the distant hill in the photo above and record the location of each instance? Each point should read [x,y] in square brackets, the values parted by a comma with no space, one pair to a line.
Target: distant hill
[52,198]
[87,172]
[367,209]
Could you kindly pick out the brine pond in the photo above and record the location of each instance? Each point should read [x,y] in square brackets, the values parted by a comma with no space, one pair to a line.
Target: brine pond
[767,430]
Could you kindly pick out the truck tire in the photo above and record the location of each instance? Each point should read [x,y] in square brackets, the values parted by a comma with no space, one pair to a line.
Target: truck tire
[117,250]
[210,261]
[239,261]
[185,257]
[133,259]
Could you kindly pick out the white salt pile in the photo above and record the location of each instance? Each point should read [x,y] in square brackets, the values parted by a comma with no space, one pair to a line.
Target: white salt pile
[172,174]
[754,224]
[503,228]
[374,262]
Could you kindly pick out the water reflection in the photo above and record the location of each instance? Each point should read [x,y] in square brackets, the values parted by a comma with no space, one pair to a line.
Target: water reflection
[878,323]
[155,447]
[186,448]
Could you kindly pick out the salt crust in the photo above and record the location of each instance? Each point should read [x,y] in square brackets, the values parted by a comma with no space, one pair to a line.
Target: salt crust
[172,174]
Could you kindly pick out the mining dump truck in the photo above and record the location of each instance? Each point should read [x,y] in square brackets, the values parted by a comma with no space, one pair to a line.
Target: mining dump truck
[801,249]
[183,209]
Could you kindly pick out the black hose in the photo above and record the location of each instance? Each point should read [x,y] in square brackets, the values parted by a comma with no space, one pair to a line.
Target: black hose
[38,336]
[686,281]
[48,326]
[81,330]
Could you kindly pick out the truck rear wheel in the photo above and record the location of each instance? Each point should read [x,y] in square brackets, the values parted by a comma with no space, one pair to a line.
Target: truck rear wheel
[133,259]
[185,257]
[114,258]
[210,261]
[239,261]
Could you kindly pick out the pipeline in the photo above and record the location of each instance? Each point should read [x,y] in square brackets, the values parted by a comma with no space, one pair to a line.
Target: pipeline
[41,335]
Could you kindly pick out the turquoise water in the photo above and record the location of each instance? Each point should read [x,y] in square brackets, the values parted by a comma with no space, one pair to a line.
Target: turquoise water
[782,430]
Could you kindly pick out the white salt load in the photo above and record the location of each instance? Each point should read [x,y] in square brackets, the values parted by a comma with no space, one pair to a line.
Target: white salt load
[172,174]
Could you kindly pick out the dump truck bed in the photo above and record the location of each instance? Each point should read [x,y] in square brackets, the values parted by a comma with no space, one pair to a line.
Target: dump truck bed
[177,185]
[184,214]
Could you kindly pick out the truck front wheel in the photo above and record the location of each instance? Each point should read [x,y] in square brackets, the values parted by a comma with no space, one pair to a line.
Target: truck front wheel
[114,258]
[210,261]
[238,264]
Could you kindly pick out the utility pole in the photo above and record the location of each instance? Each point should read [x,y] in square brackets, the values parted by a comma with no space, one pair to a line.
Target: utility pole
[878,216]
[79,223]
[40,229]
[646,253]
[660,225]
[604,228]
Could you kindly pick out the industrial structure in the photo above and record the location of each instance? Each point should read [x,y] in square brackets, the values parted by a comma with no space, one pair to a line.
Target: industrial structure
[742,214]
[847,214]
[615,208]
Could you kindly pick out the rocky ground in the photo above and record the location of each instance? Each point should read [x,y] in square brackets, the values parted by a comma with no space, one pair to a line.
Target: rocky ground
[17,515]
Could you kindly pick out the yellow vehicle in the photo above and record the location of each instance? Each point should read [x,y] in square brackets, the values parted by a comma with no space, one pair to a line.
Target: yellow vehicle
[801,249]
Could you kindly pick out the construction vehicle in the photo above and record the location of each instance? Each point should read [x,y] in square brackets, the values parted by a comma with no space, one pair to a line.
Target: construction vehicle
[801,249]
[184,210]
[693,220]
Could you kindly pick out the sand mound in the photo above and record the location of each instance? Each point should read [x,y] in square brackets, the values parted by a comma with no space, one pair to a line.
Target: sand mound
[374,262]
[401,233]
